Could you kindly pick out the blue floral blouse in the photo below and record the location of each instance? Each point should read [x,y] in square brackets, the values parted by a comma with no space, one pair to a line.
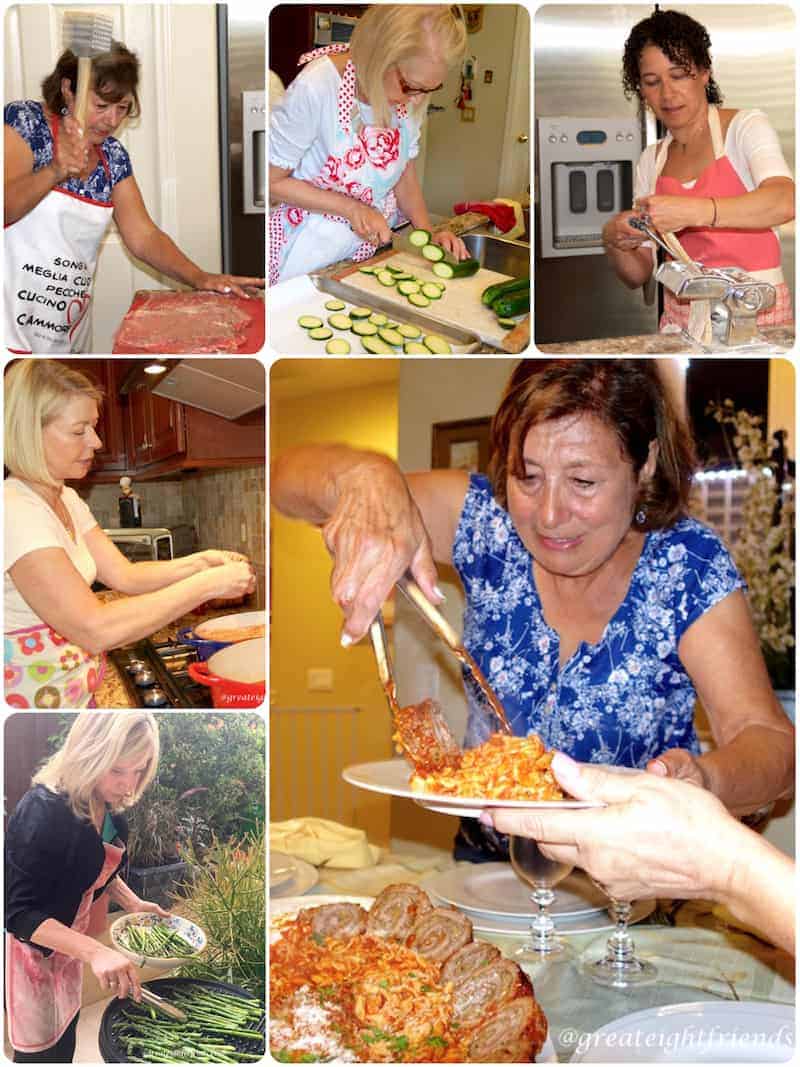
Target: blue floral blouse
[27,118]
[621,701]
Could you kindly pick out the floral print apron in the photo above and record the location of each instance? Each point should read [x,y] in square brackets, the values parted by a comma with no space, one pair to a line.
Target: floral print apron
[43,993]
[756,251]
[364,163]
[42,669]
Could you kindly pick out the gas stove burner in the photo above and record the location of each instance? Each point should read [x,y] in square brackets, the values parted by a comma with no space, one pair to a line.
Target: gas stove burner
[155,698]
[133,666]
[144,678]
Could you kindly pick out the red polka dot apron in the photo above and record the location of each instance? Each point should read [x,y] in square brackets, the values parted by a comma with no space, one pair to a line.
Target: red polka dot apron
[43,993]
[365,163]
[50,259]
[755,251]
[42,669]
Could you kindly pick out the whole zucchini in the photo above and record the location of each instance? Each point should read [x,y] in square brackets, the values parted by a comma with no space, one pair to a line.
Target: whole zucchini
[489,295]
[514,304]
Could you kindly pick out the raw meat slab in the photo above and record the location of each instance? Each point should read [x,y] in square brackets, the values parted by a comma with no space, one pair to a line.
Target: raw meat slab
[169,322]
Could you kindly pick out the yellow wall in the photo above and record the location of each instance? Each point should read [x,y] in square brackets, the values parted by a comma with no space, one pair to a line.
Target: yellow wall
[781,400]
[308,749]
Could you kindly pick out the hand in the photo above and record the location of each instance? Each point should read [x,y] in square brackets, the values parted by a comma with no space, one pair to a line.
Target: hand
[228,283]
[374,535]
[368,222]
[231,580]
[678,763]
[115,973]
[71,156]
[450,243]
[619,235]
[216,557]
[150,906]
[670,214]
[655,837]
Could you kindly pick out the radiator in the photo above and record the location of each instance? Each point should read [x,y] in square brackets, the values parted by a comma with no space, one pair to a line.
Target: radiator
[309,748]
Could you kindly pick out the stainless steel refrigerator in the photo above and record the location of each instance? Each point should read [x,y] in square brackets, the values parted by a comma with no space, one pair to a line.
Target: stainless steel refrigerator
[577,67]
[241,46]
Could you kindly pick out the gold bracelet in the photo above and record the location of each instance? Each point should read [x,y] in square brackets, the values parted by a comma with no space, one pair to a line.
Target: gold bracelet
[714,220]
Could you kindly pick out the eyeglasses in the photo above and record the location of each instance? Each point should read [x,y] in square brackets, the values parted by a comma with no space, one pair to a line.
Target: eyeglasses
[412,90]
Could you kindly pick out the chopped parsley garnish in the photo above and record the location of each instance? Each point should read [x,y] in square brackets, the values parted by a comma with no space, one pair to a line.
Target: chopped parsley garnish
[397,1042]
[326,991]
[384,983]
[427,988]
[318,939]
[436,1040]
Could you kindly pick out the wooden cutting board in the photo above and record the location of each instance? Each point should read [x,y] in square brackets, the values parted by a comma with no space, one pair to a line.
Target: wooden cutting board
[460,306]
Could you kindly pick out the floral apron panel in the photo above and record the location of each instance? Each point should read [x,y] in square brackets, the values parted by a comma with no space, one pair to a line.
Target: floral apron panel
[50,259]
[43,993]
[756,251]
[365,163]
[44,670]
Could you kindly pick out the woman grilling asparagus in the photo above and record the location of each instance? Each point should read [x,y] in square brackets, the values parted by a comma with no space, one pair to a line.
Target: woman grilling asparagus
[65,848]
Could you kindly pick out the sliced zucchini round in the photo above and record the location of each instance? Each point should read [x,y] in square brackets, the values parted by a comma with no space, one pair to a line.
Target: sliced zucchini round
[418,300]
[419,238]
[433,253]
[391,337]
[437,345]
[409,331]
[368,270]
[378,319]
[407,288]
[309,322]
[433,292]
[414,348]
[338,347]
[335,305]
[394,270]
[364,329]
[465,268]
[339,322]
[507,324]
[320,333]
[360,313]
[404,276]
[376,346]
[385,277]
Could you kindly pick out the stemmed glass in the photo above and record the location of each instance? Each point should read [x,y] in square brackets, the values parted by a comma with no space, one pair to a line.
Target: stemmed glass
[541,873]
[620,967]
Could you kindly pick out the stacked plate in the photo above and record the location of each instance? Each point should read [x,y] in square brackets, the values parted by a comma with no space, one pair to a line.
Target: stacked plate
[290,876]
[497,902]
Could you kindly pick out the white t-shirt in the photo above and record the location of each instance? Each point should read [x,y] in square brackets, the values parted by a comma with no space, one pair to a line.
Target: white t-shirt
[751,144]
[29,524]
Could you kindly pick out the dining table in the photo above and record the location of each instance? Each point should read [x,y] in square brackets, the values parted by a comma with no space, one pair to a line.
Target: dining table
[702,958]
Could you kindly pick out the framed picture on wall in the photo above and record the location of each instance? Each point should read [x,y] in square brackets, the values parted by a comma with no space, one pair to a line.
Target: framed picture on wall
[461,445]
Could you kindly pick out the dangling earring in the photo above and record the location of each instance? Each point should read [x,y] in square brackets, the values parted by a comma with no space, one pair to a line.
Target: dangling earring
[64,110]
[641,516]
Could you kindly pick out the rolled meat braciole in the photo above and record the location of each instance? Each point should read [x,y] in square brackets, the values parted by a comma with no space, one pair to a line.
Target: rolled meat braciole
[514,1034]
[485,991]
[439,933]
[395,911]
[469,959]
[338,920]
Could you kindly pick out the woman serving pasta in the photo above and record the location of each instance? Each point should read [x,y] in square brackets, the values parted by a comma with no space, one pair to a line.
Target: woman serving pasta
[596,608]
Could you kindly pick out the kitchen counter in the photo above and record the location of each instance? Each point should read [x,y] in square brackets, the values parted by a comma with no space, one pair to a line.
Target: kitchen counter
[664,344]
[112,692]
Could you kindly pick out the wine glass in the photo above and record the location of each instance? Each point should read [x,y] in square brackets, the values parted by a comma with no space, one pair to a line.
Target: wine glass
[620,967]
[532,866]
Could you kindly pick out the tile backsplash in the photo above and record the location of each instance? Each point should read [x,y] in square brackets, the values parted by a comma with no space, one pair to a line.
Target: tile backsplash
[227,509]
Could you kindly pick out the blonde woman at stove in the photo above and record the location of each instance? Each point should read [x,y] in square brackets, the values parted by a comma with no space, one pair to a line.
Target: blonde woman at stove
[65,850]
[57,630]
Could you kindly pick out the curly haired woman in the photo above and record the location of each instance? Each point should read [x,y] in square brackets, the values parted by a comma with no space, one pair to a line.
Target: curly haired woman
[718,180]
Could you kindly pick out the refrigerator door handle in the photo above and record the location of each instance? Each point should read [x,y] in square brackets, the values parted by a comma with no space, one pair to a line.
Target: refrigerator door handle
[254,161]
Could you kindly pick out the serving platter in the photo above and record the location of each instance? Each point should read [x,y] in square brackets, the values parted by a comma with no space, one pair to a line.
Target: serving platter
[391,777]
[596,923]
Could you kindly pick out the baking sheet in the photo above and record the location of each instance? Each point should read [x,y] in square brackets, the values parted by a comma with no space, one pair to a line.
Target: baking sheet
[308,294]
[460,304]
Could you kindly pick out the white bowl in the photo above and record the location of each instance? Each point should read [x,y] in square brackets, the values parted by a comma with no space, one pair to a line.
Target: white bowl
[188,930]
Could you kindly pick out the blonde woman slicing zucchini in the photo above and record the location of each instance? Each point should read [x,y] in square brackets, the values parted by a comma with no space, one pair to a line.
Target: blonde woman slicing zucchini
[344,137]
[65,848]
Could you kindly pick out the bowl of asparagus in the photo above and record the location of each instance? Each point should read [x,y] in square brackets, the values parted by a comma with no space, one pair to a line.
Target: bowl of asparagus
[156,940]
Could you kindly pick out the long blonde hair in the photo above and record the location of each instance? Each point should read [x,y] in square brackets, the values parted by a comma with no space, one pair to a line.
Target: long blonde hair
[35,390]
[95,742]
[388,33]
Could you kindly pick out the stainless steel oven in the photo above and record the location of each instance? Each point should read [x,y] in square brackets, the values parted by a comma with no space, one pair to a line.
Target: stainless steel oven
[143,544]
[332,29]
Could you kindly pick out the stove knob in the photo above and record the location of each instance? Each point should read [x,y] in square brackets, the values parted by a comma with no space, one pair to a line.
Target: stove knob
[144,678]
[133,666]
[154,698]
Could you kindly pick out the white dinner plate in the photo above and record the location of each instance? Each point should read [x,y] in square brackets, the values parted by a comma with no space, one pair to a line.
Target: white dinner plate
[292,905]
[391,776]
[282,868]
[304,877]
[595,923]
[701,1032]
[492,890]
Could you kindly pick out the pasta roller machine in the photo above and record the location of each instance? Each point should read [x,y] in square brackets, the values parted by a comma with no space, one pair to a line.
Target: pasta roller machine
[736,297]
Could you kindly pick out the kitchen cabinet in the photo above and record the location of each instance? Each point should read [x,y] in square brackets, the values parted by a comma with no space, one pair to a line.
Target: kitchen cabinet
[112,457]
[155,428]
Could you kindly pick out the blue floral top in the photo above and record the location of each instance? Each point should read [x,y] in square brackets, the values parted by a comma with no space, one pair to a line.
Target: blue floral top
[27,118]
[621,701]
